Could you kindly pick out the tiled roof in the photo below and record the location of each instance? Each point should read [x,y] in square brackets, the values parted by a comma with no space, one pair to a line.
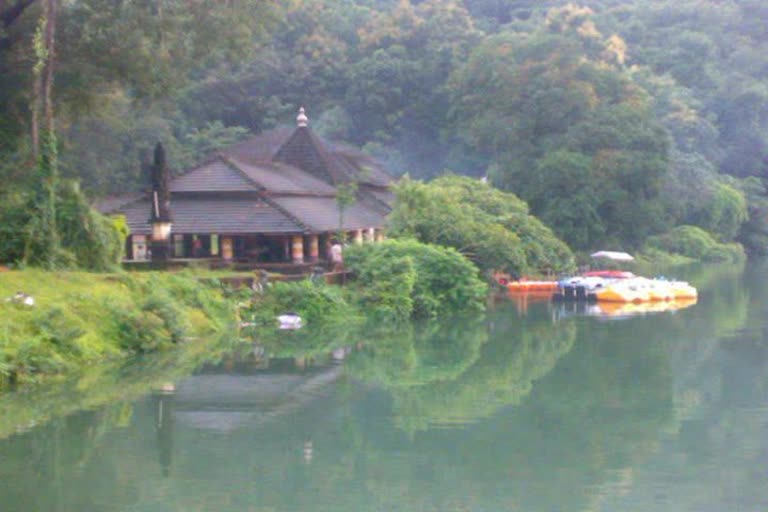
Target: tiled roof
[214,176]
[220,215]
[260,147]
[331,162]
[322,213]
[305,151]
[277,178]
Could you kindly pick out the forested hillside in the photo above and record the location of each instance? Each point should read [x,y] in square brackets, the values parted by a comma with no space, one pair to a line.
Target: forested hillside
[616,120]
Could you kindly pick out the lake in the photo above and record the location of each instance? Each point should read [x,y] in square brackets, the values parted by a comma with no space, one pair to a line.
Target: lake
[531,407]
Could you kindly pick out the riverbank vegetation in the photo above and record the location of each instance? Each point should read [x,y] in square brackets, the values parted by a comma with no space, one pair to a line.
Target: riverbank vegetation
[394,281]
[81,318]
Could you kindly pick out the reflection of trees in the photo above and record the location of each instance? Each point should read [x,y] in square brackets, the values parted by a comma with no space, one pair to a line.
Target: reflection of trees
[416,355]
[721,438]
[453,373]
[503,375]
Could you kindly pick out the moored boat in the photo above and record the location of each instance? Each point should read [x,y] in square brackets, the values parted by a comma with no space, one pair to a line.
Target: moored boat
[532,286]
[640,289]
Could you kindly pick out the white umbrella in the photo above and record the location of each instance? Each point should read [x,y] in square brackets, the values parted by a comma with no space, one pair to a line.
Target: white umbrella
[612,255]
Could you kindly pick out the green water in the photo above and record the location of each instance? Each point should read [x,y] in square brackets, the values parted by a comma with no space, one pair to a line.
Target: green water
[530,408]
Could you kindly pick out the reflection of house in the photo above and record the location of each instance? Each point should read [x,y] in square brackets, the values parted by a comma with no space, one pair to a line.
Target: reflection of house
[271,198]
[221,400]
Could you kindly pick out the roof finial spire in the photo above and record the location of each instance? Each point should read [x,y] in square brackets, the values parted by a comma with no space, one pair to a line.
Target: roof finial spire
[302,120]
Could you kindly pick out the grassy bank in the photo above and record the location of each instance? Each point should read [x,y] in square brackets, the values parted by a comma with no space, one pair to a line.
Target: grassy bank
[81,318]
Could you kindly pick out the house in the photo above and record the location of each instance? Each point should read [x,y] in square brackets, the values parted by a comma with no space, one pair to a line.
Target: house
[273,198]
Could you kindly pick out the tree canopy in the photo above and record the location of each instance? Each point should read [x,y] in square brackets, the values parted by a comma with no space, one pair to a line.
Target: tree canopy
[614,120]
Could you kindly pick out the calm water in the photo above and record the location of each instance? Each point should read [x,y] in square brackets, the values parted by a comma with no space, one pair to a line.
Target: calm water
[530,408]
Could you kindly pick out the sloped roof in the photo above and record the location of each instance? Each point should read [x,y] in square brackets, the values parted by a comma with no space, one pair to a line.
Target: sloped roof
[261,147]
[214,176]
[305,151]
[278,178]
[322,213]
[193,215]
[330,161]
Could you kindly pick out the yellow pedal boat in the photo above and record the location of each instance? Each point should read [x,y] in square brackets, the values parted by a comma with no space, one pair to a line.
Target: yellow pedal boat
[639,290]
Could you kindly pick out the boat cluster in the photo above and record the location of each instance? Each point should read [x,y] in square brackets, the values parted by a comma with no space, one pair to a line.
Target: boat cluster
[621,287]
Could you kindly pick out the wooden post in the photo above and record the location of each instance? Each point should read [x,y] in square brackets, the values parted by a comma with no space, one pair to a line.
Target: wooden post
[371,235]
[358,236]
[379,235]
[226,248]
[297,249]
[314,248]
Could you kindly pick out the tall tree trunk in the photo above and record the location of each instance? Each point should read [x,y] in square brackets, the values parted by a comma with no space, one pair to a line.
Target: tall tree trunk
[37,93]
[51,14]
[43,243]
[45,59]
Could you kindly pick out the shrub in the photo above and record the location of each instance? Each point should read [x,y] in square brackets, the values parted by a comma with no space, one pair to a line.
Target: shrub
[694,242]
[387,286]
[88,239]
[443,282]
[316,303]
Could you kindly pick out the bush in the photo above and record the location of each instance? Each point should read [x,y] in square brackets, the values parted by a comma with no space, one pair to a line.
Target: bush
[315,303]
[443,280]
[388,286]
[88,239]
[694,242]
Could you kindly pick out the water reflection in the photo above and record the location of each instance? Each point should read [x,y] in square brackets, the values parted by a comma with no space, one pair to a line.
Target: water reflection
[506,412]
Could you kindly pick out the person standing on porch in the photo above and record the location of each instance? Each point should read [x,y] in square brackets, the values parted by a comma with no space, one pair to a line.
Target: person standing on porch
[337,257]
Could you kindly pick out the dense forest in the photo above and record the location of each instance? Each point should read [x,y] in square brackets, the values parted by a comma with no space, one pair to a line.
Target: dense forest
[630,123]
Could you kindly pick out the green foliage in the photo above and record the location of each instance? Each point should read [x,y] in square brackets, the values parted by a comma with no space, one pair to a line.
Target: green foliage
[85,238]
[315,303]
[95,241]
[445,282]
[724,212]
[387,286]
[42,239]
[490,227]
[568,130]
[81,318]
[754,233]
[13,217]
[696,243]
[201,142]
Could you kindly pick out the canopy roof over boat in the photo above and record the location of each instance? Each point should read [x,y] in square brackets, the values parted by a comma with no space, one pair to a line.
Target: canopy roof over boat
[612,255]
